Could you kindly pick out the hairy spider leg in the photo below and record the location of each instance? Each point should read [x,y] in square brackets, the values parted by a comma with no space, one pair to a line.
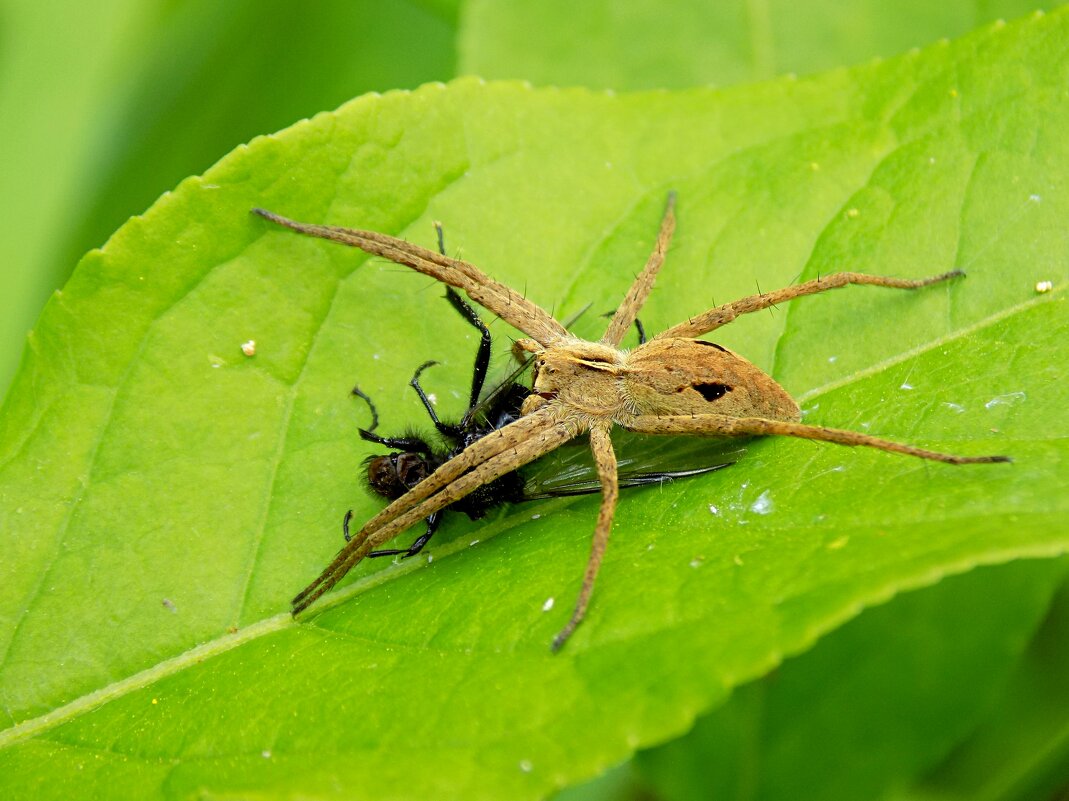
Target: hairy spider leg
[506,303]
[640,329]
[722,315]
[640,290]
[600,440]
[405,444]
[725,425]
[433,521]
[482,354]
[721,425]
[490,457]
[482,362]
[605,459]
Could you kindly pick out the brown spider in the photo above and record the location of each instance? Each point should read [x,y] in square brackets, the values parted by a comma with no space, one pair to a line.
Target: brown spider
[672,384]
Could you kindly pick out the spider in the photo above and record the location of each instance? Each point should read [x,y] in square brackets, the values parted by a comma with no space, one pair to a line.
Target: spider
[392,475]
[672,384]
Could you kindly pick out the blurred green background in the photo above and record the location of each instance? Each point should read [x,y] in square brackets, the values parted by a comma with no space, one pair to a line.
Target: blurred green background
[105,106]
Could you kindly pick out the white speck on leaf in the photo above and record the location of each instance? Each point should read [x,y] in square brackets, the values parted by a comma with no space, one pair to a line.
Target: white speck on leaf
[249,348]
[906,385]
[526,766]
[713,509]
[1042,287]
[548,604]
[1005,400]
[954,407]
[763,504]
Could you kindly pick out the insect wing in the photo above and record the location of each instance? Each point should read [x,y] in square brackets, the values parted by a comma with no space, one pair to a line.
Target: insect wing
[501,405]
[641,460]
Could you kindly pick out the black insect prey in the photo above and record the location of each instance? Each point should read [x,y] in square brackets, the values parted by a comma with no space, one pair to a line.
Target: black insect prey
[392,475]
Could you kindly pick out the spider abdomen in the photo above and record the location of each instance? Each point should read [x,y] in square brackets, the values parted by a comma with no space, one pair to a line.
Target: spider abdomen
[689,376]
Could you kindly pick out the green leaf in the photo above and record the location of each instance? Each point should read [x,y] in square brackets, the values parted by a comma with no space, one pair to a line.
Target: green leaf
[1021,749]
[644,44]
[101,110]
[880,699]
[162,495]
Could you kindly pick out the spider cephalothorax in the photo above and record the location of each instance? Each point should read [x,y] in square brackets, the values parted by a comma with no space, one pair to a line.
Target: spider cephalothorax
[673,384]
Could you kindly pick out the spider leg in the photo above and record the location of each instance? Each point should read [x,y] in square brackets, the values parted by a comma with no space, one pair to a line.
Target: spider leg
[640,329]
[433,521]
[719,425]
[509,305]
[605,459]
[640,289]
[722,315]
[490,457]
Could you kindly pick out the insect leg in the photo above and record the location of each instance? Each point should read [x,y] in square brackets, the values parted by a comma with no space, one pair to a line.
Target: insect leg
[411,444]
[482,356]
[509,305]
[433,520]
[722,315]
[405,444]
[719,425]
[640,329]
[371,406]
[605,459]
[640,289]
[499,452]
[444,428]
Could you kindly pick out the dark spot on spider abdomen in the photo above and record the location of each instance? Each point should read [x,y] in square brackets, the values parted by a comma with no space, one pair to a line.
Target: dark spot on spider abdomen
[710,391]
[713,391]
